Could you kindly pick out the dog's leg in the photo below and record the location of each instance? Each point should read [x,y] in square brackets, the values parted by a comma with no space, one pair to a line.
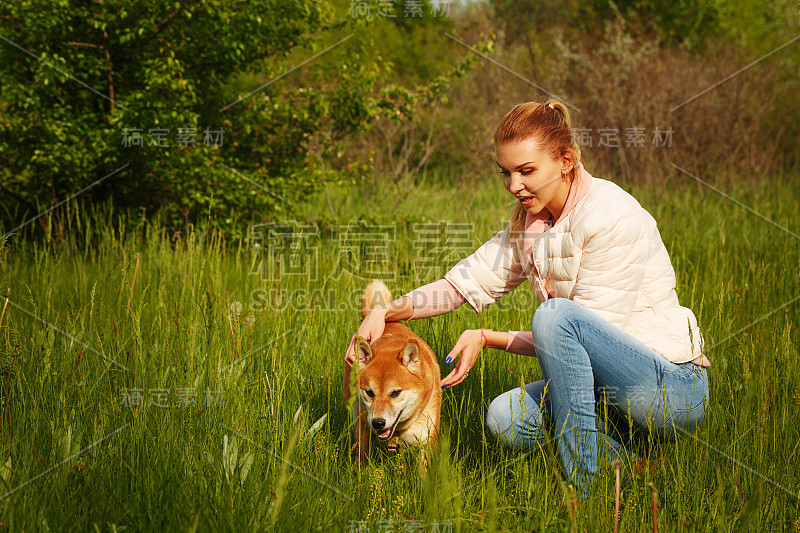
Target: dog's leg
[360,447]
[393,445]
[362,434]
[424,450]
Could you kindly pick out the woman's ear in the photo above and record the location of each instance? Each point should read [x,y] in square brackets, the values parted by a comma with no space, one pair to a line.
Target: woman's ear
[567,161]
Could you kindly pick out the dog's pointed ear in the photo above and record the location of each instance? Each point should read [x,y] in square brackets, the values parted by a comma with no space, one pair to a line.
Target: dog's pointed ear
[410,354]
[364,351]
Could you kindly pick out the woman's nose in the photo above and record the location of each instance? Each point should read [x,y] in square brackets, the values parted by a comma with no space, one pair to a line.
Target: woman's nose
[515,183]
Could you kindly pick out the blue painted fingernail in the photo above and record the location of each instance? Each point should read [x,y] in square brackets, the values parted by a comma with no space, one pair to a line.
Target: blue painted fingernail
[447,361]
[444,386]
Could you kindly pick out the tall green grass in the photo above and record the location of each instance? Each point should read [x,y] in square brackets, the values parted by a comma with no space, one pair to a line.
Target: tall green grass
[76,458]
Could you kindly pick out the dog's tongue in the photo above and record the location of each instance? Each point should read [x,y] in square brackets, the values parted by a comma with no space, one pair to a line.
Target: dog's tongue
[385,434]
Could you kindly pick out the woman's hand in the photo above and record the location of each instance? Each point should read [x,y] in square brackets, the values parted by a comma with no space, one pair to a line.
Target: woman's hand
[469,345]
[371,328]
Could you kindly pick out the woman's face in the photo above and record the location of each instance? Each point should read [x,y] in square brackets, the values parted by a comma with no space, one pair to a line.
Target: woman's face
[533,177]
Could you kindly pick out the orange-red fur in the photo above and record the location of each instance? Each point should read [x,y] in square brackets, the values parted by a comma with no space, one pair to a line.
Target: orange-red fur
[397,361]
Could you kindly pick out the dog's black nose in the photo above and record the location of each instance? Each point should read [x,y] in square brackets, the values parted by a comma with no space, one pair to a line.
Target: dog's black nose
[378,423]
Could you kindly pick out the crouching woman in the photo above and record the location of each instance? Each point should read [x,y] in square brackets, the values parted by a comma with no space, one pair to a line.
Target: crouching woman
[609,332]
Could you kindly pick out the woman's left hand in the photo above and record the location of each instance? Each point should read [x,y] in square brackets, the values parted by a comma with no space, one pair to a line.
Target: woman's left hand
[468,346]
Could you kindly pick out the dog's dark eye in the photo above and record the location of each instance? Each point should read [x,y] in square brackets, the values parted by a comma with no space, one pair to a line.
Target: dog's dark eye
[395,393]
[369,393]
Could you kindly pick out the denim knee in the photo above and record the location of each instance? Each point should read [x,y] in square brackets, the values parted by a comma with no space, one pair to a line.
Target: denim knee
[500,416]
[515,419]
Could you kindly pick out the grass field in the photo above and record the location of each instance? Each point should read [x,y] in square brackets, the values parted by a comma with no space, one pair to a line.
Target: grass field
[163,381]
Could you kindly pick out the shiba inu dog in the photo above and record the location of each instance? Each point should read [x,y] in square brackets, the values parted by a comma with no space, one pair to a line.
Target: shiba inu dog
[397,384]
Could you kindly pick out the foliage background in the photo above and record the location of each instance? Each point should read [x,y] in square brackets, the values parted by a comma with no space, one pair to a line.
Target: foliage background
[398,98]
[195,66]
[391,128]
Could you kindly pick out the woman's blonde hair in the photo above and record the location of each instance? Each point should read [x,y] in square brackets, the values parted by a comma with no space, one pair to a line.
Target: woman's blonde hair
[548,123]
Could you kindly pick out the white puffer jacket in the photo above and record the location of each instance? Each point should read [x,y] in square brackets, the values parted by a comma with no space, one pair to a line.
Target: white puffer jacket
[606,254]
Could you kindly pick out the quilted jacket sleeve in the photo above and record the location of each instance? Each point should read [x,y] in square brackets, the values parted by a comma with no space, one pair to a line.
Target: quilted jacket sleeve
[490,272]
[617,244]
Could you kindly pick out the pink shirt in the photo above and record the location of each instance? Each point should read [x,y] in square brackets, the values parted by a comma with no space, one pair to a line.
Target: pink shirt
[441,297]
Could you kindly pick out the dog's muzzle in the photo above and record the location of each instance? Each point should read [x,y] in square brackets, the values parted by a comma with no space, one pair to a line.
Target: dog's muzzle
[378,424]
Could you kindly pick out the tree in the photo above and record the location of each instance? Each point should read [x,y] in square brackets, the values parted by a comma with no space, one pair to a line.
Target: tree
[265,89]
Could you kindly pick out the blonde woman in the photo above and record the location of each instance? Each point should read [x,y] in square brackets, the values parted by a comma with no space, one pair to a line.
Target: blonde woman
[609,330]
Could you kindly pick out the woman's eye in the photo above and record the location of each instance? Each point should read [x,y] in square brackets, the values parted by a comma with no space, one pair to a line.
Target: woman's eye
[395,393]
[528,172]
[369,393]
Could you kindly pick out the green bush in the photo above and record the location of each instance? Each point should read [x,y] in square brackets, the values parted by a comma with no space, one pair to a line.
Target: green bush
[265,136]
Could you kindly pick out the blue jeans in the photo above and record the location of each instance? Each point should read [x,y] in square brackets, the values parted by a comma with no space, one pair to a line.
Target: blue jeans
[589,364]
